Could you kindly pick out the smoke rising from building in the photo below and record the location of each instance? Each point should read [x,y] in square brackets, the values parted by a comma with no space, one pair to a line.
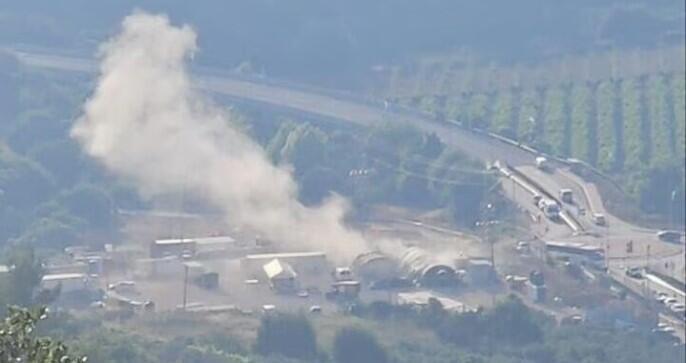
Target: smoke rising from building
[146,123]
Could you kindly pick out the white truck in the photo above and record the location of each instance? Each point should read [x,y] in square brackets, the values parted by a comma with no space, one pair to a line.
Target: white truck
[599,219]
[542,163]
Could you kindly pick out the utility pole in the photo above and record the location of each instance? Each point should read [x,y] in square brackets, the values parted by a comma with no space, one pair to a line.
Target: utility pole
[672,222]
[185,286]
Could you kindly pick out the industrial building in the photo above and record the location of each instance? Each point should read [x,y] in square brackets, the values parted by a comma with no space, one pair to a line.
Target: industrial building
[172,247]
[216,245]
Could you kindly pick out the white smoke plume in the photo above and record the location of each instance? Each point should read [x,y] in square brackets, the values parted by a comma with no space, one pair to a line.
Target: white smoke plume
[144,122]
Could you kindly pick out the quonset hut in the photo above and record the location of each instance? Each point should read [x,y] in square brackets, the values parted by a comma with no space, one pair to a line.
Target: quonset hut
[375,266]
[427,269]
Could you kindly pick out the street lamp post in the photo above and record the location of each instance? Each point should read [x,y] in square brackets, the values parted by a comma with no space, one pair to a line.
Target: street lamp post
[672,223]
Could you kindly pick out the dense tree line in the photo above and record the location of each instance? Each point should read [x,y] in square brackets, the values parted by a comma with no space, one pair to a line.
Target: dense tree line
[632,129]
[511,332]
[507,333]
[389,163]
[51,195]
[315,40]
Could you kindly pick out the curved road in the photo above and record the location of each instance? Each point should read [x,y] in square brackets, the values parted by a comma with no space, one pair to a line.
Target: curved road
[475,144]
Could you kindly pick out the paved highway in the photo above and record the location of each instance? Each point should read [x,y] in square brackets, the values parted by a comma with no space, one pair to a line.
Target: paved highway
[476,144]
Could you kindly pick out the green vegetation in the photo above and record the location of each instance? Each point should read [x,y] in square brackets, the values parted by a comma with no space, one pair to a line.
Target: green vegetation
[622,112]
[607,116]
[18,342]
[286,335]
[503,122]
[636,143]
[387,164]
[354,345]
[556,121]
[51,196]
[508,333]
[511,332]
[329,42]
[583,128]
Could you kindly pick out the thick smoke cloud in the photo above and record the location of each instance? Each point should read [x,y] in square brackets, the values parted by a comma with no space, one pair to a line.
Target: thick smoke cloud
[145,122]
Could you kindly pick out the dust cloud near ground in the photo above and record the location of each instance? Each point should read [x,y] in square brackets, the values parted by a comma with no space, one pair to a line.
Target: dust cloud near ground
[147,124]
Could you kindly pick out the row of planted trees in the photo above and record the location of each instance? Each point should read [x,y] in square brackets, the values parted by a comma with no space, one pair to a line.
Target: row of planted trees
[611,124]
[624,127]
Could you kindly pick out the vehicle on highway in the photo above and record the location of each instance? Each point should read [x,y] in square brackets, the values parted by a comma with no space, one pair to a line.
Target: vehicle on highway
[268,309]
[668,301]
[599,219]
[566,195]
[522,246]
[669,236]
[664,329]
[542,163]
[634,272]
[678,308]
[550,208]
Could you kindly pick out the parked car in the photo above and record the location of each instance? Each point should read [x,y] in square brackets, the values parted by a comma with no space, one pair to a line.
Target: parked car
[634,272]
[660,297]
[522,246]
[678,308]
[668,301]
